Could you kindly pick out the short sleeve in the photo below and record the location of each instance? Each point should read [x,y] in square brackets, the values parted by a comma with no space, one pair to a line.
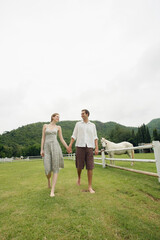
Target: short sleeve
[75,131]
[95,132]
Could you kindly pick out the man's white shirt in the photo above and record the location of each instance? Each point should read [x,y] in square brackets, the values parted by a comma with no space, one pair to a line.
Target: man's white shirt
[85,134]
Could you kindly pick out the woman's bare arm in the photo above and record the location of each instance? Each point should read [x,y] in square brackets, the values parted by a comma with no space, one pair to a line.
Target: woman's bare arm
[61,137]
[42,140]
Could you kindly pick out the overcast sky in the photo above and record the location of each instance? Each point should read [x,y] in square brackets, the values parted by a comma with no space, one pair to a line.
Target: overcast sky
[63,56]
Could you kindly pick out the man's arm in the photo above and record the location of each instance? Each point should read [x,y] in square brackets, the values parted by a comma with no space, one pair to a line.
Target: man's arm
[74,136]
[95,140]
[70,145]
[96,146]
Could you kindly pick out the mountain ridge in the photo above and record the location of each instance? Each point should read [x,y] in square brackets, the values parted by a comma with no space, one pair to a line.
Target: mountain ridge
[31,133]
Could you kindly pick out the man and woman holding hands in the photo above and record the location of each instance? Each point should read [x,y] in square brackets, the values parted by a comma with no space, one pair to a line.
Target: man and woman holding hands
[86,138]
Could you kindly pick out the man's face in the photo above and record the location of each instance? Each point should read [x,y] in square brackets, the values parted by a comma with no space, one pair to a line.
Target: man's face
[84,115]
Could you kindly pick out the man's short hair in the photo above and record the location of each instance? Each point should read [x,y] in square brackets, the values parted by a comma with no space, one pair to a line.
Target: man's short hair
[86,112]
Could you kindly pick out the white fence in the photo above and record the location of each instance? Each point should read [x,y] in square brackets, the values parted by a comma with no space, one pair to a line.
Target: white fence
[6,159]
[156,147]
[70,156]
[19,159]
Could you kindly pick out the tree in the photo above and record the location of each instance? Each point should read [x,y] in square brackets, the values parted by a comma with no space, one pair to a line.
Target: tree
[33,150]
[2,151]
[132,139]
[148,137]
[143,135]
[156,136]
[119,134]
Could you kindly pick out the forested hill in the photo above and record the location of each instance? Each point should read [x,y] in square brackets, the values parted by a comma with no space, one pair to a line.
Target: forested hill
[26,140]
[31,133]
[154,124]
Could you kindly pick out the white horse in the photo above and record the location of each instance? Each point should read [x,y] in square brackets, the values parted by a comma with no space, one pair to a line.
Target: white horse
[111,146]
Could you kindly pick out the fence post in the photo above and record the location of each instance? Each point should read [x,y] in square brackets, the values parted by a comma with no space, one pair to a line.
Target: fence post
[103,158]
[156,147]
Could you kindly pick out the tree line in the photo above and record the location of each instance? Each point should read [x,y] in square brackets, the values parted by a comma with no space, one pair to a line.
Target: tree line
[141,136]
[27,142]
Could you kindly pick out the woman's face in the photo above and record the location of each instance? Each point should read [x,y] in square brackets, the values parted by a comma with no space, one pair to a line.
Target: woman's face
[56,118]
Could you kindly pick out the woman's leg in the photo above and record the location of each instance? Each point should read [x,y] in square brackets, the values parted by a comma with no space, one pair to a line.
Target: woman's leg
[49,179]
[54,180]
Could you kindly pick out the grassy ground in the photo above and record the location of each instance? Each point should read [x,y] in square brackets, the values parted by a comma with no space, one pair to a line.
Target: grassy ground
[126,205]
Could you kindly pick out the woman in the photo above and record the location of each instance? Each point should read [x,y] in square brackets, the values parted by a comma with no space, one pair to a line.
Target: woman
[51,150]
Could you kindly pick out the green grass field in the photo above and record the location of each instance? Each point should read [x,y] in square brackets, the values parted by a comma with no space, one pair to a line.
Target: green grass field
[126,205]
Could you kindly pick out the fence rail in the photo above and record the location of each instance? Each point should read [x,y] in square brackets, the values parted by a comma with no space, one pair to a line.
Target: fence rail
[131,160]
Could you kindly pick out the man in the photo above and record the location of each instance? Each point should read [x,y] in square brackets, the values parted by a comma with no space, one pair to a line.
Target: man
[86,138]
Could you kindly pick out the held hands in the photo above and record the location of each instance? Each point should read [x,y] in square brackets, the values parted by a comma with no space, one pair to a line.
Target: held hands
[69,149]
